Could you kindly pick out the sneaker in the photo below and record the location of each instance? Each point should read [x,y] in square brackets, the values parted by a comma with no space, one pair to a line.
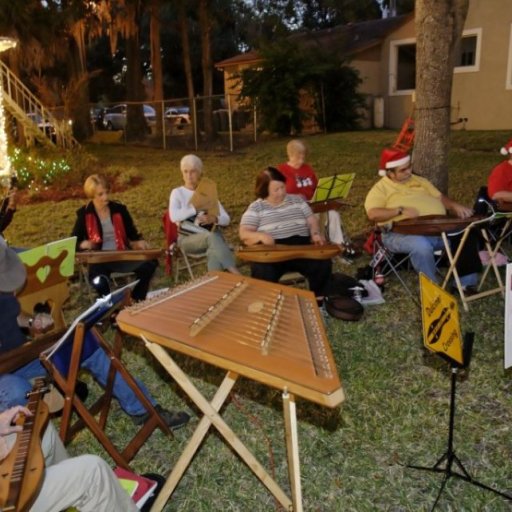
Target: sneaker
[350,252]
[323,313]
[468,290]
[174,419]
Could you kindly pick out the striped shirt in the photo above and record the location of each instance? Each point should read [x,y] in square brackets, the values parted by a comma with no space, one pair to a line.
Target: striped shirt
[282,221]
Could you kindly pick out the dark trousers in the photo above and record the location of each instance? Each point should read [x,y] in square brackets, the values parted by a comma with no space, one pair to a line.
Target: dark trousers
[469,260]
[143,270]
[317,272]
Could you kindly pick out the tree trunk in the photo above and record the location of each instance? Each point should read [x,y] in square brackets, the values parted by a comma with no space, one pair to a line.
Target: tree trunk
[136,126]
[185,45]
[439,25]
[76,102]
[206,61]
[156,64]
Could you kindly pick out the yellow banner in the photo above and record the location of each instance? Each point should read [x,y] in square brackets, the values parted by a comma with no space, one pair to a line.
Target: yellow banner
[440,316]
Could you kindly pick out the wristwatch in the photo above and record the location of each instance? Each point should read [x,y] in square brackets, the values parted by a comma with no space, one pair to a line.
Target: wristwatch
[400,210]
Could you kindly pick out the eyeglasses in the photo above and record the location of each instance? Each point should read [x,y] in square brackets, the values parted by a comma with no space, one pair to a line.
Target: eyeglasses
[402,170]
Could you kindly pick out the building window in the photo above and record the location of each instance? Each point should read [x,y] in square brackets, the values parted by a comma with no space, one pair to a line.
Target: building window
[467,52]
[402,67]
[467,58]
[406,67]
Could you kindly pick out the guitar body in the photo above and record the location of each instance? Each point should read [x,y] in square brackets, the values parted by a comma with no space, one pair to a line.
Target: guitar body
[22,470]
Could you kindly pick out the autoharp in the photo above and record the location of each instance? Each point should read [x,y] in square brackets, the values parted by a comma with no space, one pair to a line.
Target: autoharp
[432,225]
[266,332]
[260,253]
[89,257]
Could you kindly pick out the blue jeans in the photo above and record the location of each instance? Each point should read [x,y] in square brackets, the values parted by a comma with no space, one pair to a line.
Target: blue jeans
[13,391]
[13,387]
[421,250]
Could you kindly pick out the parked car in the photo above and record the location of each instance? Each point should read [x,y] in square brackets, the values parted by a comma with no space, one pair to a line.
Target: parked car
[115,117]
[43,124]
[178,115]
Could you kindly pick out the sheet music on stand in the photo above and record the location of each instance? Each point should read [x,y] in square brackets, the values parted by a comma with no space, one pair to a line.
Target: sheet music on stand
[333,187]
[97,309]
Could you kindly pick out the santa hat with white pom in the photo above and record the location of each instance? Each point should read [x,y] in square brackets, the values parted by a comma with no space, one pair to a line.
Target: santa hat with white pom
[391,158]
[506,150]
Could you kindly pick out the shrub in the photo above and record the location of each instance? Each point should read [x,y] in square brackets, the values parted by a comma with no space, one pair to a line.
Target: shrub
[39,169]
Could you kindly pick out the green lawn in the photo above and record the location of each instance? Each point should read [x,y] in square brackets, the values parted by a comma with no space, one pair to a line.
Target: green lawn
[397,394]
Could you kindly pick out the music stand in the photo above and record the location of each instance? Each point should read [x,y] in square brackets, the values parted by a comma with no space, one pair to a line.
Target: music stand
[449,457]
[63,360]
[332,188]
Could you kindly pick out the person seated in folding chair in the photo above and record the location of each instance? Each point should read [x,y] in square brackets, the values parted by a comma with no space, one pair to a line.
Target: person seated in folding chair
[301,179]
[198,229]
[104,225]
[85,482]
[399,195]
[278,217]
[499,182]
[14,386]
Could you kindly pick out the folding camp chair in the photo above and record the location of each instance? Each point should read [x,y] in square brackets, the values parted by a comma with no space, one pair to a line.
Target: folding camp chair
[63,361]
[176,258]
[384,262]
[498,230]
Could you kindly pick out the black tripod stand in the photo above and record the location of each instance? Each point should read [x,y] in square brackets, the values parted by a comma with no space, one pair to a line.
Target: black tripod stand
[449,458]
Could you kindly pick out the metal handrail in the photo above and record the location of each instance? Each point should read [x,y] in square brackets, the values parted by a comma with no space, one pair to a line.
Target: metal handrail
[22,104]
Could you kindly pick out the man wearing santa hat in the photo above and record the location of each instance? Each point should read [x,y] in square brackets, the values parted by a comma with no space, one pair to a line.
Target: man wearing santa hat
[399,195]
[499,183]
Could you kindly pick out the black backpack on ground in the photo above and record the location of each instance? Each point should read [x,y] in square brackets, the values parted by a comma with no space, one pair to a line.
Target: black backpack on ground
[340,301]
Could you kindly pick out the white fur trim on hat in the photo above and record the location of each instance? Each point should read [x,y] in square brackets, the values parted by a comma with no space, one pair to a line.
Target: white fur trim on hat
[398,163]
[506,152]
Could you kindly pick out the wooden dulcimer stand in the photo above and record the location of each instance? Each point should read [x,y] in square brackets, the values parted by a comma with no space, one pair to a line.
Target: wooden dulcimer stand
[266,332]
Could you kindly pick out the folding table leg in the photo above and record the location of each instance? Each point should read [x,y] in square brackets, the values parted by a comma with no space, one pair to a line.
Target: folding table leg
[292,449]
[211,417]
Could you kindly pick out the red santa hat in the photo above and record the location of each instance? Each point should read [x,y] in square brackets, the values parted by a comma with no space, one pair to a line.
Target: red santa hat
[391,158]
[506,150]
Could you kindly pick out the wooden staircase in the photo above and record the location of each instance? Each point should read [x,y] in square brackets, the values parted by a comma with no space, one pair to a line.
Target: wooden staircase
[38,123]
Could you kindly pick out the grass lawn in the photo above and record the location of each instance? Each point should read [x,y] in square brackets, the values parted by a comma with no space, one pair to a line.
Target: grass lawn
[396,410]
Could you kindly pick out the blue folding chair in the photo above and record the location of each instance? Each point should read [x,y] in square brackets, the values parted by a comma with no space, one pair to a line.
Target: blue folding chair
[63,361]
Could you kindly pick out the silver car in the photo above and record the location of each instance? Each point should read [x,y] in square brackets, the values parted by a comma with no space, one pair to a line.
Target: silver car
[115,117]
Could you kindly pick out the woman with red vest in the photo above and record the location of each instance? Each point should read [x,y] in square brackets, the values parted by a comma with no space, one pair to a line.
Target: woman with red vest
[104,225]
